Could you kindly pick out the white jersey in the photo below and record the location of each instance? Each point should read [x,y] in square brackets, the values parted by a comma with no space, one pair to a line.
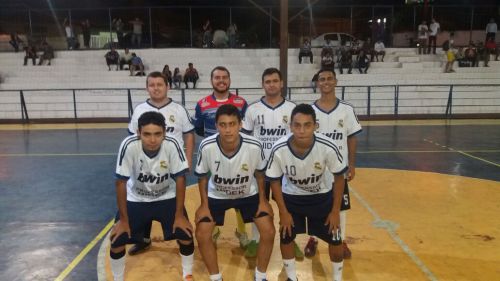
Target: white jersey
[268,124]
[177,119]
[150,178]
[231,177]
[305,175]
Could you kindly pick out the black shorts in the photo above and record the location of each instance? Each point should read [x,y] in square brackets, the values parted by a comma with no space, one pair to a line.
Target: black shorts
[247,206]
[309,213]
[346,198]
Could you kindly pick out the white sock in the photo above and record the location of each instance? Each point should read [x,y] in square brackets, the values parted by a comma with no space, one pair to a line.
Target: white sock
[118,268]
[259,276]
[216,277]
[337,270]
[255,233]
[343,220]
[290,269]
[187,265]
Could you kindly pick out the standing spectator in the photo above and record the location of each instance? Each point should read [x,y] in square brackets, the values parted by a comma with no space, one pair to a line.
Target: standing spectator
[168,74]
[231,33]
[379,49]
[345,60]
[136,64]
[177,78]
[48,53]
[423,34]
[125,58]
[112,57]
[362,61]
[191,75]
[15,41]
[491,46]
[70,35]
[207,34]
[434,28]
[136,31]
[118,25]
[328,45]
[305,51]
[220,39]
[450,58]
[30,53]
[86,33]
[491,29]
[482,54]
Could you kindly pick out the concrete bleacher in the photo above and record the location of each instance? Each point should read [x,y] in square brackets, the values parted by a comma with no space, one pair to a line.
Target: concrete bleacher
[87,69]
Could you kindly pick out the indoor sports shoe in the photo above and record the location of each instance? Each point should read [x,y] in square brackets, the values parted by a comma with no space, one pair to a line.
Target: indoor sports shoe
[311,247]
[243,238]
[346,251]
[139,248]
[215,234]
[251,250]
[298,252]
[188,277]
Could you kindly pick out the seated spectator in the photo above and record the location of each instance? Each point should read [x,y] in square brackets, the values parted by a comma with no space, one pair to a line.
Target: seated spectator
[328,46]
[177,78]
[379,50]
[459,57]
[305,51]
[327,61]
[136,64]
[220,39]
[362,61]
[15,41]
[167,73]
[191,75]
[471,55]
[48,53]
[368,48]
[482,54]
[492,48]
[112,57]
[125,58]
[345,60]
[30,53]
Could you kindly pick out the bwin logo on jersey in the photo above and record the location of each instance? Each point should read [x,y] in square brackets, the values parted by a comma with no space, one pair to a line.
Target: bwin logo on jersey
[244,167]
[335,135]
[171,118]
[163,164]
[307,181]
[228,181]
[148,178]
[273,132]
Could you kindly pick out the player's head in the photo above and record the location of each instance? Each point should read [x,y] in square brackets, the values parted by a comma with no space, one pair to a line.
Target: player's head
[303,122]
[327,80]
[272,82]
[157,86]
[221,79]
[228,123]
[151,130]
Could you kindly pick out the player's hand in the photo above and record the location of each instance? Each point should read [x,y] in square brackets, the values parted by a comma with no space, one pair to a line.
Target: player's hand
[118,229]
[333,222]
[202,212]
[264,207]
[351,173]
[286,223]
[183,223]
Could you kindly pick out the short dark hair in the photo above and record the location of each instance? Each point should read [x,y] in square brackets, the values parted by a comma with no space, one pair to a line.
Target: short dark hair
[151,117]
[156,74]
[306,109]
[269,71]
[327,70]
[227,109]
[219,68]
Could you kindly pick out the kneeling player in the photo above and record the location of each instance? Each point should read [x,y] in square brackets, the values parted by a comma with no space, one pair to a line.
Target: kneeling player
[151,185]
[233,159]
[303,158]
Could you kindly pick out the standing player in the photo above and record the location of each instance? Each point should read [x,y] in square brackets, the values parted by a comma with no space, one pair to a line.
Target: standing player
[337,120]
[204,124]
[268,120]
[151,185]
[178,125]
[231,168]
[302,158]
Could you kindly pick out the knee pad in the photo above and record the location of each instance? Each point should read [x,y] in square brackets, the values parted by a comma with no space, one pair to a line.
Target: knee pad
[186,250]
[121,241]
[181,235]
[288,238]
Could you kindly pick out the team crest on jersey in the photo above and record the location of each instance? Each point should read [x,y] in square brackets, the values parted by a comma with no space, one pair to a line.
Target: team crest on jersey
[317,166]
[341,123]
[238,101]
[163,164]
[171,118]
[244,167]
[285,119]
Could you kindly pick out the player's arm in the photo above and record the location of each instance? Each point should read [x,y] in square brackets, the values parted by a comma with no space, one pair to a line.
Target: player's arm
[180,220]
[352,142]
[264,205]
[189,141]
[122,226]
[199,126]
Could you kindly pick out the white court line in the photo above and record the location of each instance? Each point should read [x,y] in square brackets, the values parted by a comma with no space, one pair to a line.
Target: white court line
[391,229]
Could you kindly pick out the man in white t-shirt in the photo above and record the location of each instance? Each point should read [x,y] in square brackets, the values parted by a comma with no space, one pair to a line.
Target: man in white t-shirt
[151,185]
[306,202]
[136,32]
[423,35]
[230,169]
[379,49]
[434,29]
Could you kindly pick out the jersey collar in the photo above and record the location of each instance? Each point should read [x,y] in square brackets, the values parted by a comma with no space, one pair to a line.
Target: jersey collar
[333,109]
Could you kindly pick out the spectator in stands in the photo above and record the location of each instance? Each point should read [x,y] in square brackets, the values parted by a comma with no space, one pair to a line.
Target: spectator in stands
[423,34]
[136,31]
[112,57]
[220,39]
[327,61]
[314,81]
[168,74]
[471,54]
[491,29]
[30,53]
[231,33]
[48,53]
[345,60]
[362,61]
[434,29]
[450,58]
[482,54]
[125,58]
[328,45]
[492,48]
[207,34]
[86,33]
[70,35]
[15,41]
[136,64]
[118,26]
[191,75]
[305,51]
[368,48]
[177,77]
[379,49]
